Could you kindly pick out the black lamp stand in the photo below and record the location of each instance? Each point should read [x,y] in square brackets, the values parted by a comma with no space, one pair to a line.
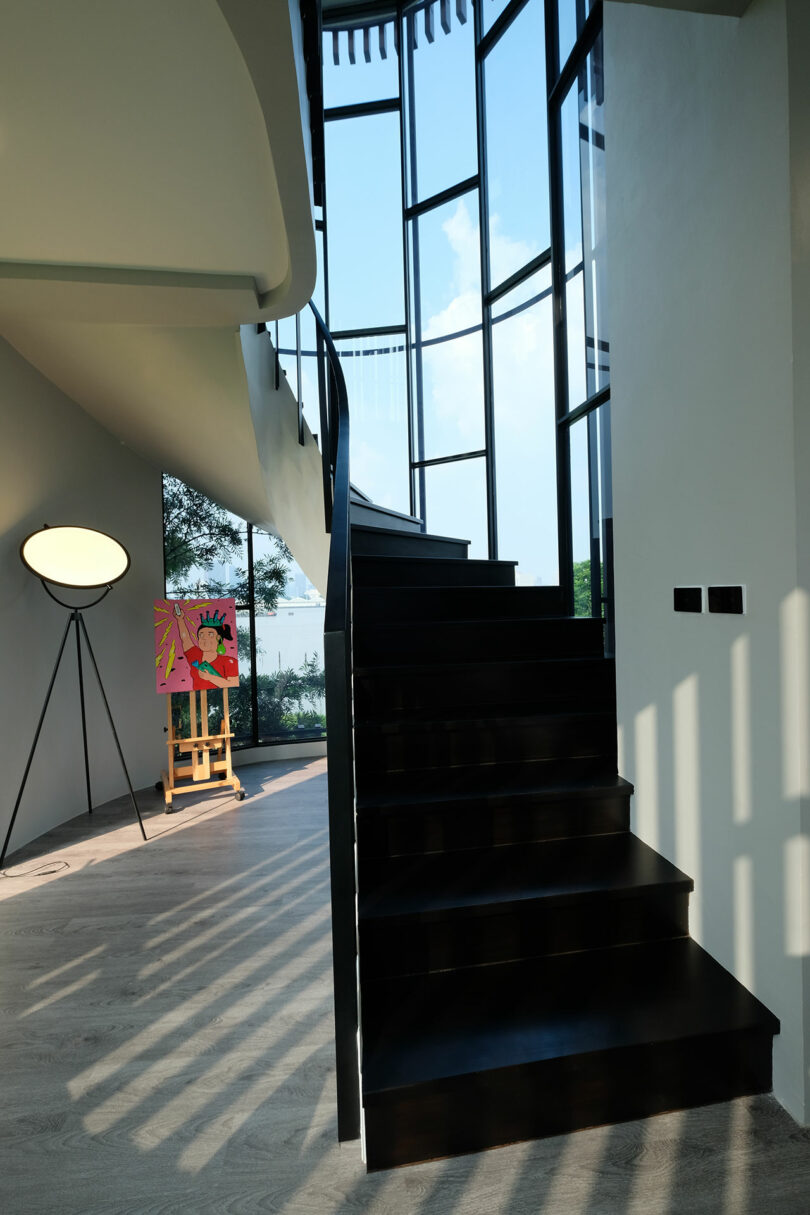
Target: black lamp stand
[77,620]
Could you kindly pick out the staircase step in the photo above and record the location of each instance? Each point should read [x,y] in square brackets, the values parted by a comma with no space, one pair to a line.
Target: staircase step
[394,542]
[462,1060]
[412,746]
[430,571]
[368,514]
[467,640]
[470,778]
[518,901]
[374,605]
[564,684]
[493,812]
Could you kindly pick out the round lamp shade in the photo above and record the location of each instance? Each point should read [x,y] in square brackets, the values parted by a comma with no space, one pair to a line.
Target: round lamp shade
[74,556]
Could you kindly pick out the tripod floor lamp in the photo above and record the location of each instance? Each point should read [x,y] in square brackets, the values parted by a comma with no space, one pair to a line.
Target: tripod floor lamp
[82,559]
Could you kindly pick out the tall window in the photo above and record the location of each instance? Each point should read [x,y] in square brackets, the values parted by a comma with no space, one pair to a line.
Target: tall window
[466,275]
[279,617]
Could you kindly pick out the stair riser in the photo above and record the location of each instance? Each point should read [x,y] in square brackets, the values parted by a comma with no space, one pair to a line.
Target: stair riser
[366,571]
[404,544]
[469,642]
[544,687]
[379,751]
[410,945]
[540,774]
[536,1100]
[413,830]
[373,605]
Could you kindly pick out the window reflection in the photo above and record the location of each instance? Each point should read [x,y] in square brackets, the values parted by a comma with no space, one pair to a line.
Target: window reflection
[583,154]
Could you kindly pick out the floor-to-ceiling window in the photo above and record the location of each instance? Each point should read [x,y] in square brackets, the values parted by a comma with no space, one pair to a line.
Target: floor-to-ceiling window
[210,553]
[464,235]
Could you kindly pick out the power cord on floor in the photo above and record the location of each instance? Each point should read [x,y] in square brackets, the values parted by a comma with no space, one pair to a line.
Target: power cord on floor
[40,871]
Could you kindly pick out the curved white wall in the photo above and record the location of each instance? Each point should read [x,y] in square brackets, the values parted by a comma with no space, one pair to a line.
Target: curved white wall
[59,466]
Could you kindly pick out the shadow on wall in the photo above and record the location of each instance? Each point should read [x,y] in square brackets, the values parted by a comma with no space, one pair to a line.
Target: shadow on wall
[721,783]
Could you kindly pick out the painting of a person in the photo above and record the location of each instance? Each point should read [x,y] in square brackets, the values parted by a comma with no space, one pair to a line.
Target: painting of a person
[209,664]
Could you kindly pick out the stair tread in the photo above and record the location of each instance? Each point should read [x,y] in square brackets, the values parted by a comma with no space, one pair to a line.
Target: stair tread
[559,870]
[492,785]
[390,558]
[398,533]
[428,1028]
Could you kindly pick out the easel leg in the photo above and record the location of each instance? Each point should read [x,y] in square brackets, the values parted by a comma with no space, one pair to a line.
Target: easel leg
[34,744]
[75,619]
[112,723]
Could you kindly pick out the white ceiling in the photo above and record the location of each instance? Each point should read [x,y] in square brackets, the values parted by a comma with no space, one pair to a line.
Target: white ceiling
[154,195]
[136,154]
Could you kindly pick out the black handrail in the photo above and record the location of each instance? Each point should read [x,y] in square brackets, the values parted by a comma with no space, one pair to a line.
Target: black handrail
[339,717]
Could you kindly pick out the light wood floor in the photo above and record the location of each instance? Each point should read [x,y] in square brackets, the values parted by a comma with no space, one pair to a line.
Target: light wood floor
[165,1044]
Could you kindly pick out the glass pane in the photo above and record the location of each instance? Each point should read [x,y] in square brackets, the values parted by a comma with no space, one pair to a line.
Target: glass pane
[440,103]
[289,657]
[347,83]
[491,11]
[446,294]
[525,432]
[365,222]
[375,373]
[239,701]
[456,502]
[592,159]
[530,291]
[580,517]
[575,322]
[309,370]
[318,295]
[517,145]
[572,14]
[583,153]
[287,352]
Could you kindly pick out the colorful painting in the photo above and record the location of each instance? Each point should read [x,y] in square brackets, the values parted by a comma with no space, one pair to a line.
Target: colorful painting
[195,645]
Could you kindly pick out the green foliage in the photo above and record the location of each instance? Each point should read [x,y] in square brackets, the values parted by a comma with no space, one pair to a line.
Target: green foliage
[198,534]
[287,699]
[582,588]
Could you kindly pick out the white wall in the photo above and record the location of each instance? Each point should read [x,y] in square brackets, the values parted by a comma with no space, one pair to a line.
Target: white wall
[59,466]
[799,86]
[701,317]
[292,473]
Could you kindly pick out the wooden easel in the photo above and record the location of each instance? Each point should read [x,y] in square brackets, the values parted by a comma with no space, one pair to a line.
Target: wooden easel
[210,766]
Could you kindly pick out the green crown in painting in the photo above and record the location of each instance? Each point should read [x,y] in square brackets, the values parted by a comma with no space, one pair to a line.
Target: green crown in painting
[212,622]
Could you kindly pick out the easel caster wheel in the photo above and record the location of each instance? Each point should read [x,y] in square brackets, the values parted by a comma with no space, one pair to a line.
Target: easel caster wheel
[240,795]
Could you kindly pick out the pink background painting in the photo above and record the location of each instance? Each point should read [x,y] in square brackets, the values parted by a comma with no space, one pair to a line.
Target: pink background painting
[177,647]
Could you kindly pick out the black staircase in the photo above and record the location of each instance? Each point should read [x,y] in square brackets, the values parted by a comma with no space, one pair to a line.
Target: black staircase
[525,967]
[525,964]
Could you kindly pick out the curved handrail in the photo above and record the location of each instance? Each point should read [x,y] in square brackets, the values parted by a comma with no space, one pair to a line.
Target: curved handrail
[339,734]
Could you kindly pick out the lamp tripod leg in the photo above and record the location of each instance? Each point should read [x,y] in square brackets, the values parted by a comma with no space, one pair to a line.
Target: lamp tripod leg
[34,744]
[75,619]
[110,719]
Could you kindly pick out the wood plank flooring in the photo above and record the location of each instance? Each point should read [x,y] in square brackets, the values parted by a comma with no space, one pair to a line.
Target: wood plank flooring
[166,1044]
